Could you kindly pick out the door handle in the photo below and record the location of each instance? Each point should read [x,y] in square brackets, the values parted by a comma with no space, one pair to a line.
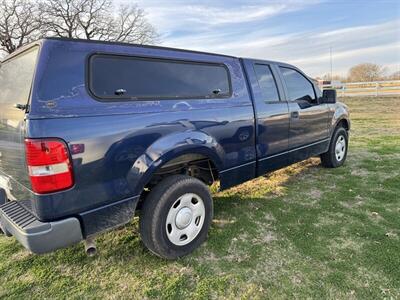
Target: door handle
[294,114]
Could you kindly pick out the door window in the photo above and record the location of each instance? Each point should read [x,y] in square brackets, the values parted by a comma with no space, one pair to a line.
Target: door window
[298,87]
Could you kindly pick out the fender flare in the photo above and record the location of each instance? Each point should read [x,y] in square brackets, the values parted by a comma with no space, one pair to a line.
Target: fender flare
[340,114]
[337,121]
[170,147]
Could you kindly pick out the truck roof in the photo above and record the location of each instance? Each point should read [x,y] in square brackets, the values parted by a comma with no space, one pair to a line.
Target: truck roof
[23,48]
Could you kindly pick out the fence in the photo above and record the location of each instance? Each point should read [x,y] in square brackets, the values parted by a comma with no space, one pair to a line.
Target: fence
[373,88]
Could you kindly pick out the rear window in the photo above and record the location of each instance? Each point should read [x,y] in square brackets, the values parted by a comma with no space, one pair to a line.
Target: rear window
[120,77]
[16,77]
[266,81]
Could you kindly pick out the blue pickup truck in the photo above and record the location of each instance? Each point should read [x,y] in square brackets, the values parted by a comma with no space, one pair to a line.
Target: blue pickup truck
[91,132]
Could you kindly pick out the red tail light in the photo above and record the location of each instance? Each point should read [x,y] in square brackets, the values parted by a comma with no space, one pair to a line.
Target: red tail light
[49,165]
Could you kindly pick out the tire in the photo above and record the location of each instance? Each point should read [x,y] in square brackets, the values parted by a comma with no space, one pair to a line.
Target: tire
[337,153]
[178,206]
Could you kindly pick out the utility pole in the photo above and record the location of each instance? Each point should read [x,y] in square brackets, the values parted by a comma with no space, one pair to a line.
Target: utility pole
[330,52]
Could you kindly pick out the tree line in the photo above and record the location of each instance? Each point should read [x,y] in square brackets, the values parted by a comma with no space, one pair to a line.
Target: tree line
[23,21]
[364,72]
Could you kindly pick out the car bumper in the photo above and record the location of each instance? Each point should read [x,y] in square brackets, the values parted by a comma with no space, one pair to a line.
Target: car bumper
[38,237]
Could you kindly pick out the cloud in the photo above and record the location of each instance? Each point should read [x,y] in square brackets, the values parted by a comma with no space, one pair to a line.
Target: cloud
[343,60]
[183,15]
[259,30]
[215,16]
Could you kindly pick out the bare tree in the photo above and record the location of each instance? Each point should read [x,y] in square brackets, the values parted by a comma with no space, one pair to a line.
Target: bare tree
[128,25]
[19,24]
[97,20]
[23,21]
[366,72]
[94,18]
[394,76]
[60,18]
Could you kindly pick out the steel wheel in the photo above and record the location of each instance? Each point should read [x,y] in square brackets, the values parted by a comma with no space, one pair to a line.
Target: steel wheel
[337,151]
[175,216]
[340,148]
[185,219]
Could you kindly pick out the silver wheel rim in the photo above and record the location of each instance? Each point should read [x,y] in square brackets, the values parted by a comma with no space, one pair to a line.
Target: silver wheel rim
[340,148]
[185,219]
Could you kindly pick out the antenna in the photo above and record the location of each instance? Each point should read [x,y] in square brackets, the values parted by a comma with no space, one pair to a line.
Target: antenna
[330,52]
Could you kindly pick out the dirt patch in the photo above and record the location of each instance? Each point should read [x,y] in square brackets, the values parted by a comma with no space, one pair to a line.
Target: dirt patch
[269,217]
[346,243]
[358,201]
[222,222]
[326,220]
[315,194]
[236,253]
[296,279]
[208,256]
[265,237]
[360,173]
[21,255]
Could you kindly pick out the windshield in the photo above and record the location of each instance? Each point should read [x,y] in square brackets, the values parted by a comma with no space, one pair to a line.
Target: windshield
[16,77]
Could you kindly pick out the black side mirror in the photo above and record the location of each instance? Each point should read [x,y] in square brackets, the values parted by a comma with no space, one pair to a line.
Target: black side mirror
[328,96]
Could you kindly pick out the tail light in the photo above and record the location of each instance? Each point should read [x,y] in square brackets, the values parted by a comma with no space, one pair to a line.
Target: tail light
[49,165]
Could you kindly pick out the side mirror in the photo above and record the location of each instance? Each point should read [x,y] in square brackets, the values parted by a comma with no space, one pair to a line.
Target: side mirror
[328,96]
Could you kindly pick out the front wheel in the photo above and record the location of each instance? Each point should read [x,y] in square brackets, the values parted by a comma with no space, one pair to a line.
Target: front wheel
[337,153]
[176,216]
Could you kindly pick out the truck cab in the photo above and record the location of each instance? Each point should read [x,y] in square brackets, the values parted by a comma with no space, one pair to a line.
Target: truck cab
[91,132]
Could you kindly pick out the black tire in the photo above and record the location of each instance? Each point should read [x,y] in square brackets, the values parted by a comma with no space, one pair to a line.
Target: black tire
[155,209]
[330,159]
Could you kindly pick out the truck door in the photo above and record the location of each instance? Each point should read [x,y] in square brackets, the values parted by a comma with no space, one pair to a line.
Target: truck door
[271,115]
[308,131]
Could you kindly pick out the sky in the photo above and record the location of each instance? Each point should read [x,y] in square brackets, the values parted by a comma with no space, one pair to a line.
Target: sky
[297,32]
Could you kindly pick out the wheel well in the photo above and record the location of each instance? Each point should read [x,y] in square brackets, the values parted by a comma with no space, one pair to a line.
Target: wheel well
[343,123]
[195,165]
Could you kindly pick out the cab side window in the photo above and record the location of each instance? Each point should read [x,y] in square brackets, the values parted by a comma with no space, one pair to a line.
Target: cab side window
[266,82]
[298,87]
[114,77]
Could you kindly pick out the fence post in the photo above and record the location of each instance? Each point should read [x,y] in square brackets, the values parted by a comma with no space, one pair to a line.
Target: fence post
[376,89]
[343,88]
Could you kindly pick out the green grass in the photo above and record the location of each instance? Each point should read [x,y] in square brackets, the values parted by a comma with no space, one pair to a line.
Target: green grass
[304,232]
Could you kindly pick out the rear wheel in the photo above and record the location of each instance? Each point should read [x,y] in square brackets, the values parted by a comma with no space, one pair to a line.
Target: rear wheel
[176,216]
[337,153]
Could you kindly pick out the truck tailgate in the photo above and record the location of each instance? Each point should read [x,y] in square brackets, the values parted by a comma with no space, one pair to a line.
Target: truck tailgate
[16,76]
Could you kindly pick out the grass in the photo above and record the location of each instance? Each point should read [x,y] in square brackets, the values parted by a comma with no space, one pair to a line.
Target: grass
[304,232]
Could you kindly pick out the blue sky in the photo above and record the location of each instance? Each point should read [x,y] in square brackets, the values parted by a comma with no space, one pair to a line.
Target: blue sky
[298,32]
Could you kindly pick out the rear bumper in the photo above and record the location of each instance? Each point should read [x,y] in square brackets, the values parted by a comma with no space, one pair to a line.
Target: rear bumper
[38,237]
